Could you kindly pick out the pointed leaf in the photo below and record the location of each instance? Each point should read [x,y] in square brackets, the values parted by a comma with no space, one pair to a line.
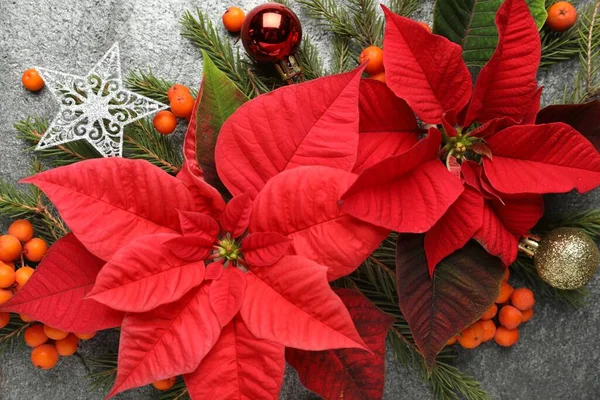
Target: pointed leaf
[189,248]
[507,85]
[584,118]
[425,70]
[240,366]
[384,194]
[207,199]
[550,158]
[227,294]
[308,314]
[168,341]
[350,374]
[265,248]
[313,220]
[387,125]
[55,294]
[236,217]
[312,123]
[213,271]
[464,286]
[534,108]
[144,275]
[198,224]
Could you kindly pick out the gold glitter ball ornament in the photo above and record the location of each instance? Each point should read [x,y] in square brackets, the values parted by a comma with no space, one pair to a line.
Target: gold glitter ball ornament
[567,258]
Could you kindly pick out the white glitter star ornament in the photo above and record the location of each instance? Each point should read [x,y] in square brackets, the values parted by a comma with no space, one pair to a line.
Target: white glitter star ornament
[95,107]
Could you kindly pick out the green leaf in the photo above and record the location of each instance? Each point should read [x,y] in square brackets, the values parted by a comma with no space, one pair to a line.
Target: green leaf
[220,97]
[463,287]
[471,24]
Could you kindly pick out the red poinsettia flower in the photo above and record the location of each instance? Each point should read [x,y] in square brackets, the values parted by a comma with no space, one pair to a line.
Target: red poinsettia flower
[495,198]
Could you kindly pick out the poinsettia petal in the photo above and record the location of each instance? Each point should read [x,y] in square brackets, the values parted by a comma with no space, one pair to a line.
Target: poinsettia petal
[236,217]
[189,142]
[387,125]
[55,294]
[308,315]
[455,228]
[168,341]
[213,271]
[207,199]
[425,70]
[198,224]
[550,158]
[311,123]
[227,294]
[472,174]
[264,248]
[519,213]
[534,108]
[495,238]
[385,194]
[507,84]
[239,366]
[302,204]
[189,248]
[129,198]
[350,374]
[144,275]
[584,118]
[493,126]
[449,122]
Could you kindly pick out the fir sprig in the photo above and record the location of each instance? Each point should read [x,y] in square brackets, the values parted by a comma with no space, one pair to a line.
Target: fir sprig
[104,372]
[143,142]
[11,336]
[177,392]
[148,84]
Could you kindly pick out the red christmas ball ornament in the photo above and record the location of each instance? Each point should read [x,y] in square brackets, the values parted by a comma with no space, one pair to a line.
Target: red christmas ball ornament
[272,33]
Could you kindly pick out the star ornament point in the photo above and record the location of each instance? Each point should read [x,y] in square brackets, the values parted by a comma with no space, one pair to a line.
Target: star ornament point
[95,107]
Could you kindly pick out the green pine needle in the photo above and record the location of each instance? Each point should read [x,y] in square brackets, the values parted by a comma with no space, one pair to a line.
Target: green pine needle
[177,392]
[104,372]
[143,142]
[11,336]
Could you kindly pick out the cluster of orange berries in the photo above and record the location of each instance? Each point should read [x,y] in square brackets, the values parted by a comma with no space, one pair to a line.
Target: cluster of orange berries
[182,105]
[516,307]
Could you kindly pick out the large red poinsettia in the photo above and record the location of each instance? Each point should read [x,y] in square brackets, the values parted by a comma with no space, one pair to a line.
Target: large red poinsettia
[500,161]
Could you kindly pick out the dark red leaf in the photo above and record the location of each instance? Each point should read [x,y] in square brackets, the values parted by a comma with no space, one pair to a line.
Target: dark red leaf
[236,217]
[585,118]
[481,149]
[261,249]
[227,294]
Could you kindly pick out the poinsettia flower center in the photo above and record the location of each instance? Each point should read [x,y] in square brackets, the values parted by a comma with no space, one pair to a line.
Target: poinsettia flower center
[228,249]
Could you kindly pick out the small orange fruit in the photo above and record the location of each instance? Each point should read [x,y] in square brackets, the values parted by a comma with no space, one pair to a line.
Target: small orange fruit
[165,122]
[26,318]
[379,77]
[68,346]
[233,19]
[176,89]
[506,275]
[21,229]
[9,263]
[35,249]
[164,384]
[10,248]
[506,337]
[23,274]
[489,330]
[32,80]
[44,356]
[561,16]
[451,341]
[4,319]
[182,105]
[523,299]
[35,335]
[424,25]
[374,56]
[5,295]
[505,291]
[527,315]
[510,317]
[85,336]
[7,276]
[55,334]
[471,337]
[491,313]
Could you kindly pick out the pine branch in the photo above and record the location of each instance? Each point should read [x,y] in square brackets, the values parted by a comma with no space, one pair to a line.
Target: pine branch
[104,372]
[587,221]
[311,63]
[143,142]
[177,392]
[404,7]
[344,59]
[11,336]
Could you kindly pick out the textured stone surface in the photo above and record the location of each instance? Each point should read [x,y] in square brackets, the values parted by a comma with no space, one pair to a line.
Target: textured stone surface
[557,356]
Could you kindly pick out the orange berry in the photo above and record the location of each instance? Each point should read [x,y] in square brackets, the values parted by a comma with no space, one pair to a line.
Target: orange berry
[182,105]
[505,291]
[35,335]
[5,295]
[4,319]
[233,19]
[506,275]
[68,346]
[527,315]
[164,384]
[490,313]
[23,274]
[32,80]
[44,356]
[374,56]
[165,122]
[54,333]
[523,299]
[379,77]
[489,330]
[21,229]
[176,89]
[561,16]
[8,263]
[7,276]
[85,336]
[26,318]
[451,341]
[10,248]
[510,317]
[424,25]
[35,249]
[471,337]
[506,337]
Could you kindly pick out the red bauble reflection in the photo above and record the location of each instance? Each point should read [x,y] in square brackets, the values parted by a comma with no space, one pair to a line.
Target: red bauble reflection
[271,33]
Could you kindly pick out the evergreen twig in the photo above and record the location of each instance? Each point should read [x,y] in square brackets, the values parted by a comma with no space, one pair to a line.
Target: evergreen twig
[104,372]
[11,336]
[177,392]
[142,141]
[344,59]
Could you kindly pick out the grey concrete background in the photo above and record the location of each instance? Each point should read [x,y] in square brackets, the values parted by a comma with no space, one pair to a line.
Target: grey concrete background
[557,356]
